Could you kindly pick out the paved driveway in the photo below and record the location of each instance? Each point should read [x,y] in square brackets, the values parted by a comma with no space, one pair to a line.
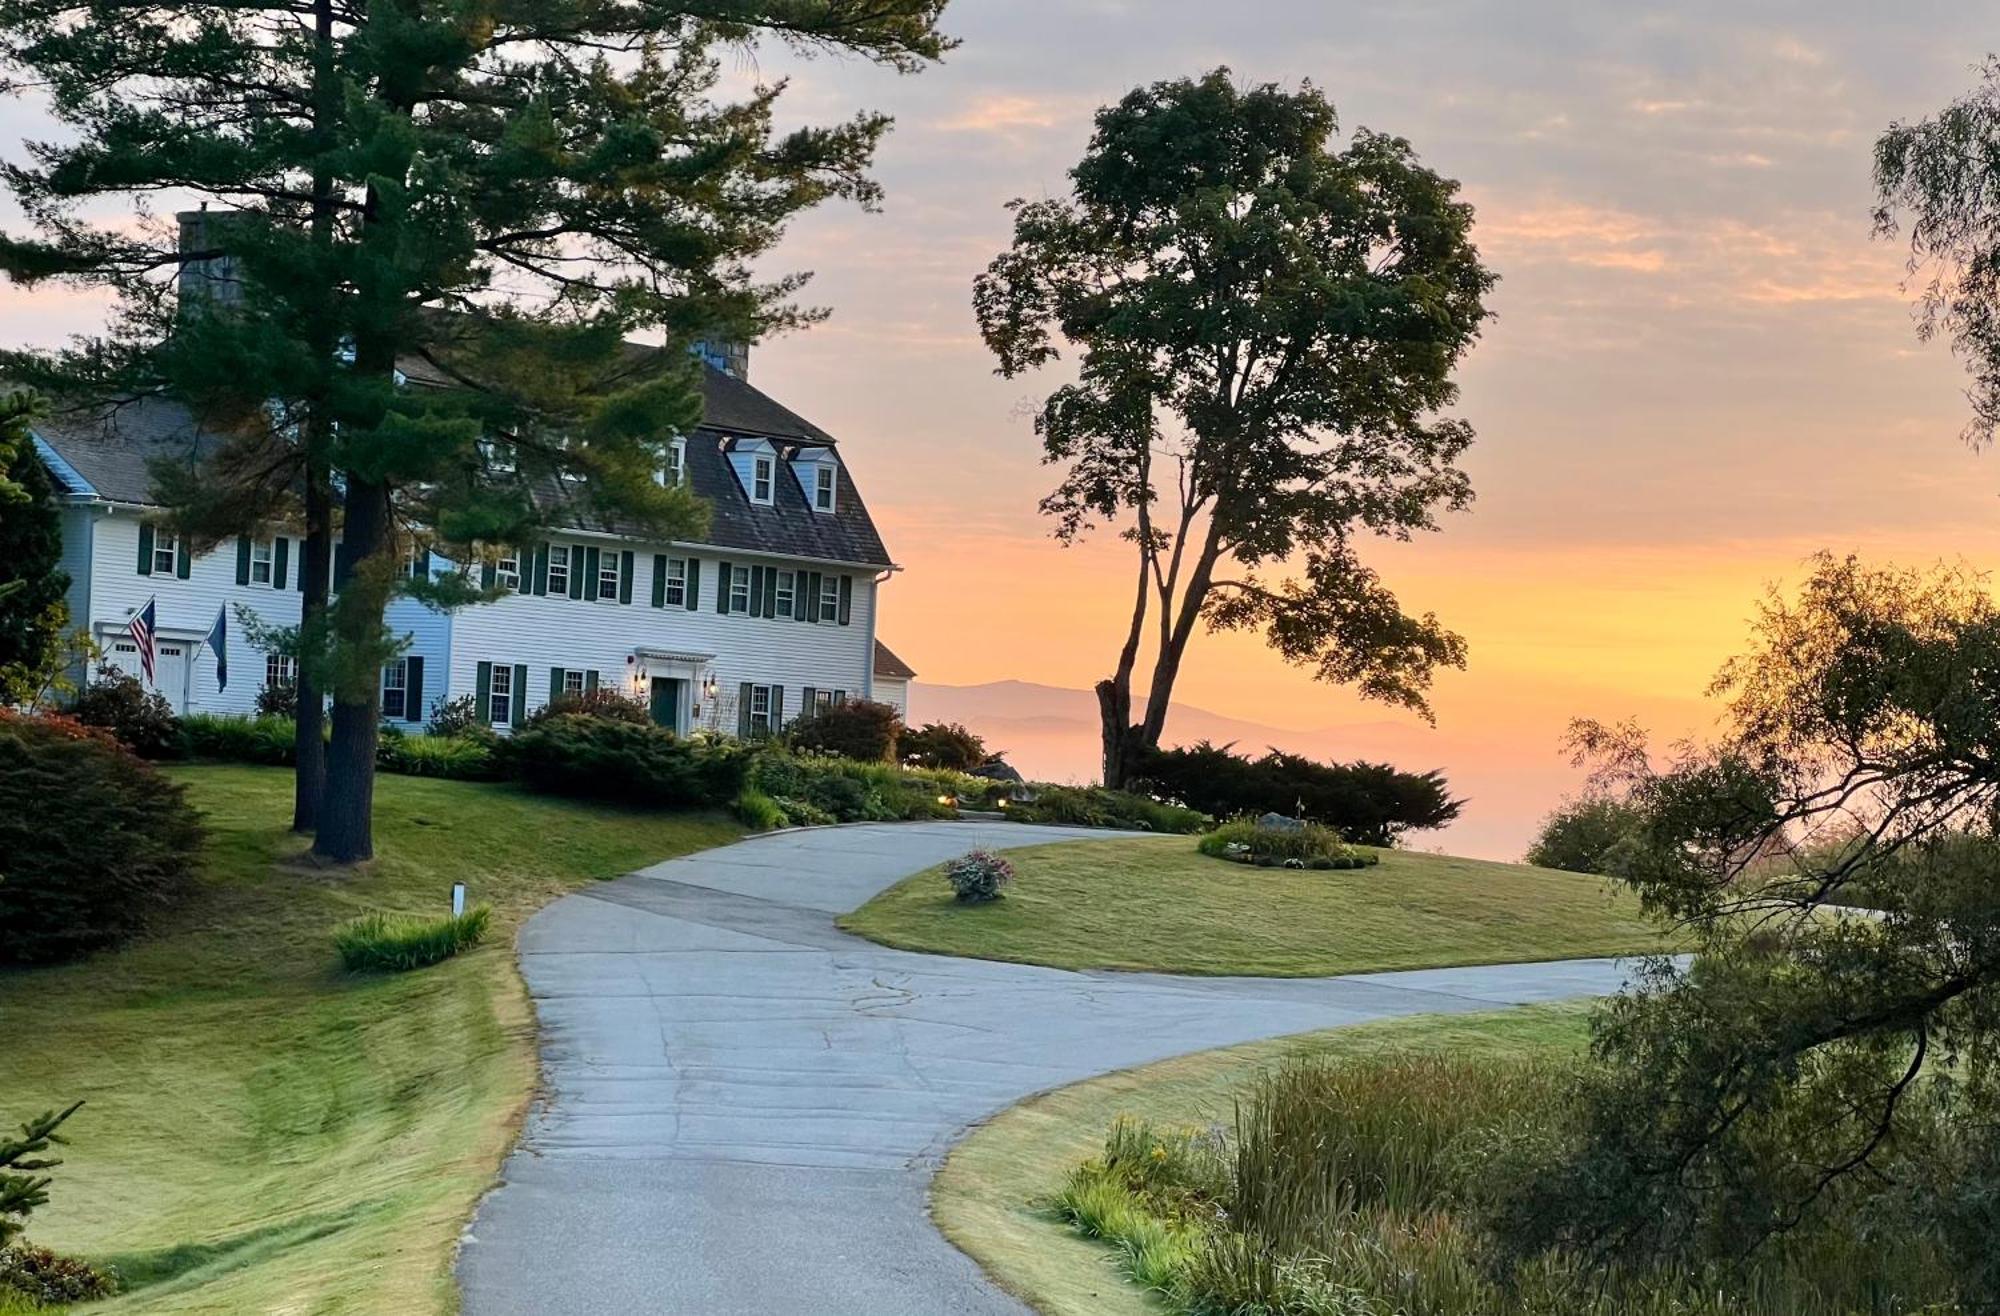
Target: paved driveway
[745,1104]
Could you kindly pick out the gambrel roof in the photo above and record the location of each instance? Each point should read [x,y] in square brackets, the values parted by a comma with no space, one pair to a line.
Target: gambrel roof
[106,455]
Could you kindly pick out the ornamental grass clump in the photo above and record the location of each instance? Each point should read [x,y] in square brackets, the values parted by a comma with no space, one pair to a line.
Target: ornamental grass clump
[392,943]
[977,877]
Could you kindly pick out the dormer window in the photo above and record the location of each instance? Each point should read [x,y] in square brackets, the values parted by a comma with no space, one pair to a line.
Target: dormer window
[499,457]
[763,479]
[824,482]
[675,471]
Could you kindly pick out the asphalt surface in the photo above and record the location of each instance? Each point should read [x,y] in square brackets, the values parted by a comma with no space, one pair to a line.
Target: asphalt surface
[745,1105]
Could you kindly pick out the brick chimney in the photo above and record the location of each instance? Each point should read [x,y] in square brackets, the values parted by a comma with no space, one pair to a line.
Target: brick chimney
[730,356]
[211,281]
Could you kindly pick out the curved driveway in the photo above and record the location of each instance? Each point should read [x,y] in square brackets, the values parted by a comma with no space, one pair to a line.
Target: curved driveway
[745,1105]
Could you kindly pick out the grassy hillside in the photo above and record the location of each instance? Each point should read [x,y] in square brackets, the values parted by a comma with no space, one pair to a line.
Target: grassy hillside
[264,1132]
[1155,903]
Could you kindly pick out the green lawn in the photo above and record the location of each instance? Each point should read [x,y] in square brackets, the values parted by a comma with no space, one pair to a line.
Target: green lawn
[990,1197]
[264,1132]
[1156,903]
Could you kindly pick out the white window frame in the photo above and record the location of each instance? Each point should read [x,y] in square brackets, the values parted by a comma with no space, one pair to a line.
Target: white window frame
[674,591]
[498,456]
[166,552]
[739,579]
[417,562]
[559,569]
[674,472]
[826,483]
[500,702]
[263,556]
[763,478]
[396,677]
[572,681]
[829,598]
[608,575]
[787,601]
[760,718]
[507,569]
[281,671]
[822,700]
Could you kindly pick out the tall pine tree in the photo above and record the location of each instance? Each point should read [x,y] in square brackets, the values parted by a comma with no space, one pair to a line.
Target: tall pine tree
[32,583]
[436,227]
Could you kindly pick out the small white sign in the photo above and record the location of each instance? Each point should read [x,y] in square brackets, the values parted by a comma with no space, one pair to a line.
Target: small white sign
[457,899]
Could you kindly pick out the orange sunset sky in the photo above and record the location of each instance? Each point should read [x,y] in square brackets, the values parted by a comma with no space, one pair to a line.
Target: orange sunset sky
[1703,367]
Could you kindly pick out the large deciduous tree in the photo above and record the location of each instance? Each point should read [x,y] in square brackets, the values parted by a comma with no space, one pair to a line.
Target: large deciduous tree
[1268,320]
[1810,1064]
[1941,177]
[438,225]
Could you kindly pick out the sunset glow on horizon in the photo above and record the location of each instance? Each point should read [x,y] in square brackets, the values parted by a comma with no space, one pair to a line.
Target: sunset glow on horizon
[1702,370]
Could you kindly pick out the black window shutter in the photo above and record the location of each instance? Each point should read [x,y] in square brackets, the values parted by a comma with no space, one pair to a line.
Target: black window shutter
[575,572]
[482,694]
[302,566]
[341,566]
[420,561]
[743,710]
[518,705]
[846,598]
[659,580]
[280,552]
[590,682]
[771,592]
[413,688]
[722,587]
[183,559]
[694,583]
[145,549]
[539,579]
[756,591]
[807,700]
[243,559]
[487,575]
[592,563]
[812,593]
[840,696]
[625,576]
[777,707]
[555,683]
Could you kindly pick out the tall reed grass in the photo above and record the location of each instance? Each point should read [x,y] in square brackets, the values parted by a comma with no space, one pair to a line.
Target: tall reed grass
[1350,1189]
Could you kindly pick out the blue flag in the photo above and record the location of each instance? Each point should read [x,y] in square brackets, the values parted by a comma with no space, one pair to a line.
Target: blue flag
[218,640]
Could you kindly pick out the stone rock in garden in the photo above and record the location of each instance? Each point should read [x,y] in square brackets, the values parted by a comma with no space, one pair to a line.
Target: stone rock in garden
[1278,822]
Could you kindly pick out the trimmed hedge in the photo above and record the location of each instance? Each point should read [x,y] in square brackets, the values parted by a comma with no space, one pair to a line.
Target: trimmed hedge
[94,842]
[597,758]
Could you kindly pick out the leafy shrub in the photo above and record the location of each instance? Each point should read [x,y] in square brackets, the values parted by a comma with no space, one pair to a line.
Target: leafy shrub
[1094,806]
[597,758]
[822,789]
[853,728]
[50,1279]
[455,717]
[1580,836]
[94,842]
[141,719]
[976,877]
[758,811]
[280,700]
[238,739]
[394,943]
[1309,846]
[602,702]
[942,745]
[1370,803]
[455,758]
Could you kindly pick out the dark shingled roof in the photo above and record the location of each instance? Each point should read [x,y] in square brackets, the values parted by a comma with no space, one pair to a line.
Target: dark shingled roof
[111,450]
[889,665]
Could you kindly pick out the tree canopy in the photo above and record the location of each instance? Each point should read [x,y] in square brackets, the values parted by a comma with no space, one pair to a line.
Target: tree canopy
[1268,320]
[438,226]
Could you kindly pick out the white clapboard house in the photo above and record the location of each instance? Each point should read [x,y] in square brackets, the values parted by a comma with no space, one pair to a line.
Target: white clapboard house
[773,612]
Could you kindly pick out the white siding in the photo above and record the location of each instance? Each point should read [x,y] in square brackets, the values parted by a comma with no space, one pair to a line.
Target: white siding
[606,637]
[895,692]
[186,610]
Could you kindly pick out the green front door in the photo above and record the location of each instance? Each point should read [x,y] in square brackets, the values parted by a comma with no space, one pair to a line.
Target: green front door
[667,701]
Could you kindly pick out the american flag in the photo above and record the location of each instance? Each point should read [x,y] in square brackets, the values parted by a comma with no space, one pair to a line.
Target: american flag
[145,627]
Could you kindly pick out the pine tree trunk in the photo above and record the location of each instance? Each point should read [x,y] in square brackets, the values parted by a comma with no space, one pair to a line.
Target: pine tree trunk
[347,807]
[309,778]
